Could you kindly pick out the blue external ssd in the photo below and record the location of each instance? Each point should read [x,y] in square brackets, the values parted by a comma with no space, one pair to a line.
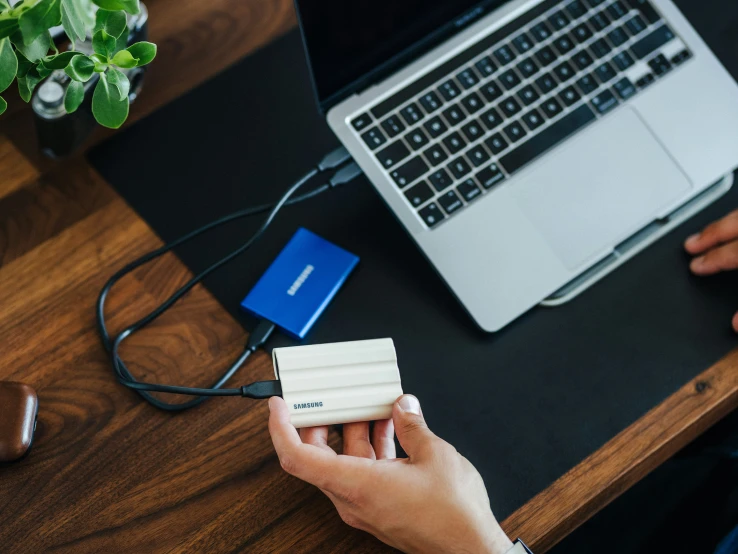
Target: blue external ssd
[300,283]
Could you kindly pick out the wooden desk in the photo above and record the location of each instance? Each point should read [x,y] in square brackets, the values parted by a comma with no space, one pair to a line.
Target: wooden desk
[108,472]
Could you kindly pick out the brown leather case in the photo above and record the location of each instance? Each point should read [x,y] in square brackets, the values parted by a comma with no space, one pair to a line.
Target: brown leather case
[18,411]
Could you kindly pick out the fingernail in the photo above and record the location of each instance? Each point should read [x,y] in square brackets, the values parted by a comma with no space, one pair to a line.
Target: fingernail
[698,262]
[692,239]
[410,404]
[269,403]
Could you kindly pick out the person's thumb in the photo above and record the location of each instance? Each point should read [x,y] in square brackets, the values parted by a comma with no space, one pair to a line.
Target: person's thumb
[412,432]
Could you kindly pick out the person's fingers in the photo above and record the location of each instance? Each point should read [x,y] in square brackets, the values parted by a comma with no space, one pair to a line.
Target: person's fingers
[356,440]
[317,436]
[721,231]
[412,432]
[716,260]
[324,469]
[735,322]
[383,439]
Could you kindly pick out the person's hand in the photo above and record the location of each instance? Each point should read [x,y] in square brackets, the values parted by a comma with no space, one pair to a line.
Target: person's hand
[716,249]
[433,501]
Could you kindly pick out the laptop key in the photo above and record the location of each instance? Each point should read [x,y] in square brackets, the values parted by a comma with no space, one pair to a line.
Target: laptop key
[515,131]
[435,127]
[491,119]
[491,91]
[522,43]
[417,139]
[528,95]
[588,84]
[645,7]
[459,167]
[624,88]
[393,126]
[564,71]
[551,108]
[528,68]
[510,79]
[541,32]
[599,21]
[636,25]
[450,202]
[533,119]
[623,61]
[374,138]
[652,42]
[681,57]
[564,44]
[411,114]
[510,106]
[546,56]
[600,48]
[660,65]
[478,155]
[431,215]
[454,115]
[410,172]
[618,36]
[504,55]
[469,190]
[646,80]
[473,130]
[496,143]
[362,122]
[431,102]
[546,83]
[468,78]
[473,103]
[582,33]
[454,142]
[486,66]
[547,139]
[419,194]
[490,176]
[604,102]
[449,90]
[393,154]
[576,9]
[440,180]
[605,72]
[594,3]
[569,96]
[617,10]
[559,20]
[435,155]
[582,59]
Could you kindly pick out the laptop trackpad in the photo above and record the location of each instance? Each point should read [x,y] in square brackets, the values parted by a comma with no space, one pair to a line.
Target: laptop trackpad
[600,188]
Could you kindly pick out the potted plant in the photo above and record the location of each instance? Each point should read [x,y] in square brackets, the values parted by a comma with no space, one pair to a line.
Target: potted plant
[28,54]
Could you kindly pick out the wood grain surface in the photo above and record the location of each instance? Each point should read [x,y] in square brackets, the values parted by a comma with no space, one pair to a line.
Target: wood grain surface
[107,472]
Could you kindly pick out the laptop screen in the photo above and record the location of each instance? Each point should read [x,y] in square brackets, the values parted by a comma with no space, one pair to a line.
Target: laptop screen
[349,41]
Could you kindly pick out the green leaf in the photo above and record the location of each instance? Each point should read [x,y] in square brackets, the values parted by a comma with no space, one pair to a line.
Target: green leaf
[24,65]
[118,80]
[145,52]
[35,50]
[38,19]
[122,41]
[8,64]
[107,107]
[130,6]
[125,60]
[80,69]
[103,43]
[8,27]
[27,84]
[60,61]
[113,23]
[76,18]
[3,105]
[74,96]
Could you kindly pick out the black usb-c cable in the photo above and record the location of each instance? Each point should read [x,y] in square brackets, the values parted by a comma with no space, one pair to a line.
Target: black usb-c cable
[345,170]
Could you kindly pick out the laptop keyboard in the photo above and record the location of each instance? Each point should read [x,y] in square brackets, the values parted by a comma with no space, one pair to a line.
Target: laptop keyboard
[467,126]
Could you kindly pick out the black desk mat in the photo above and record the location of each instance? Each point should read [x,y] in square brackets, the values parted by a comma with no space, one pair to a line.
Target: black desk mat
[524,405]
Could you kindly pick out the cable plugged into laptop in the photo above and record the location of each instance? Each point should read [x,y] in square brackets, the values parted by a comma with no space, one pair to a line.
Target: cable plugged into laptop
[343,170]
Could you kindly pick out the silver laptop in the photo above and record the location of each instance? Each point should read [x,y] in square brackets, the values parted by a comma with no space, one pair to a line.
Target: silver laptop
[528,147]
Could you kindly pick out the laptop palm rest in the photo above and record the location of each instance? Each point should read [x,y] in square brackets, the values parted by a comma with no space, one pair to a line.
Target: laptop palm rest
[600,188]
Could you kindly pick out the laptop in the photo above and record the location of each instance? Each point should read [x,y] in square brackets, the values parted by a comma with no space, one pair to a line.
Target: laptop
[528,147]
